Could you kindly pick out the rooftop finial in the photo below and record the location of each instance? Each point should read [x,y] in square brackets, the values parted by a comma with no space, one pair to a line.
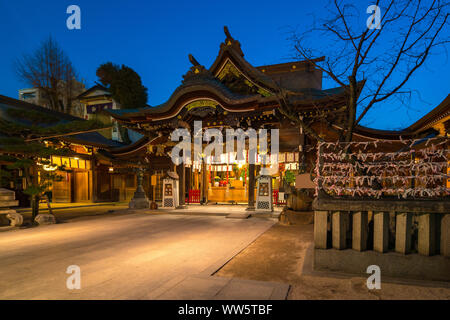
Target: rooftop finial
[230,42]
[227,32]
[192,60]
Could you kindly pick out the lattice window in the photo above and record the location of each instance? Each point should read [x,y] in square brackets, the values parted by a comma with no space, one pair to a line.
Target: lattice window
[263,205]
[168,202]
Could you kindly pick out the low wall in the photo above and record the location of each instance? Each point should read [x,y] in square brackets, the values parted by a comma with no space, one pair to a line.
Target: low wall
[406,239]
[392,264]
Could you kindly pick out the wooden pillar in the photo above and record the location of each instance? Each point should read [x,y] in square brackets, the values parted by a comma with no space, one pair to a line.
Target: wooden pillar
[204,188]
[339,229]
[188,177]
[181,184]
[94,181]
[445,235]
[427,236]
[251,187]
[320,229]
[111,187]
[360,231]
[301,150]
[403,232]
[380,231]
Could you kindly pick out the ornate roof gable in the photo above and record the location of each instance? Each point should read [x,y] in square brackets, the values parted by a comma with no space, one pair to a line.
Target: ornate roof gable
[196,72]
[236,73]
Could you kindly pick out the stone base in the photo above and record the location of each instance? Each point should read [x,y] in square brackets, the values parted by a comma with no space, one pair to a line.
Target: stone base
[15,218]
[153,205]
[290,217]
[45,218]
[139,203]
[392,264]
[263,211]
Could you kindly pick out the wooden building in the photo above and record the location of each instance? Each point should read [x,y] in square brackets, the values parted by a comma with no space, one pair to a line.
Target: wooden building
[87,179]
[234,94]
[231,93]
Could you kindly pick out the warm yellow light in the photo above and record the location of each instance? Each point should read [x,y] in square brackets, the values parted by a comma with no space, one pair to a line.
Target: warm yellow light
[111,169]
[47,167]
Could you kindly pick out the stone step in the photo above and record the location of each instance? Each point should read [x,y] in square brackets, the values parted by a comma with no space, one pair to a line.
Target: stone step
[238,215]
[6,192]
[10,203]
[7,197]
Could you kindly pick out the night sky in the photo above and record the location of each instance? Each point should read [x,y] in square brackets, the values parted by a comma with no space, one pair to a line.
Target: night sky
[155,37]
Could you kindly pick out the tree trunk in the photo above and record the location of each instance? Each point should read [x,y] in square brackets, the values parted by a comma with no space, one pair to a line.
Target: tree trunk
[34,207]
[352,101]
[47,199]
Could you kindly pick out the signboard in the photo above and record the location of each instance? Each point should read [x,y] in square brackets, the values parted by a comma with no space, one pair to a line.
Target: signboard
[263,189]
[290,157]
[168,190]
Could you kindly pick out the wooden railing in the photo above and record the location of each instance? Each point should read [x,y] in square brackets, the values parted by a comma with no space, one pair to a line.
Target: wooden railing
[194,196]
[277,199]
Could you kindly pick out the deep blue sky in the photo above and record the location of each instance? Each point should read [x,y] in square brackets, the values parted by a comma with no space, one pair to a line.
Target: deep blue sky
[155,37]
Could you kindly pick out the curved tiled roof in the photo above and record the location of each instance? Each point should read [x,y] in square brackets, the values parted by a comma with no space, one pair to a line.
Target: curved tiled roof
[440,112]
[202,83]
[199,84]
[92,138]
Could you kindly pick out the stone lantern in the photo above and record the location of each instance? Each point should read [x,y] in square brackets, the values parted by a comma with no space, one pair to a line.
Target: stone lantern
[264,200]
[7,200]
[140,200]
[170,190]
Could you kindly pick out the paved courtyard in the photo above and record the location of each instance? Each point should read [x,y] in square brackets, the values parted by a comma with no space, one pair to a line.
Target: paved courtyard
[132,256]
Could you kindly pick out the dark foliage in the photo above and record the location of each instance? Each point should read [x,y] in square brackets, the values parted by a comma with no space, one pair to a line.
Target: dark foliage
[124,84]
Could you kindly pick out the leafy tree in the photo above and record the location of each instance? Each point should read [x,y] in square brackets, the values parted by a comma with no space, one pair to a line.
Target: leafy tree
[126,88]
[124,84]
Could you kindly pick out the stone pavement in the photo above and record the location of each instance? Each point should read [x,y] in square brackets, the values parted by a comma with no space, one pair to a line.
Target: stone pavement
[132,256]
[233,211]
[205,287]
